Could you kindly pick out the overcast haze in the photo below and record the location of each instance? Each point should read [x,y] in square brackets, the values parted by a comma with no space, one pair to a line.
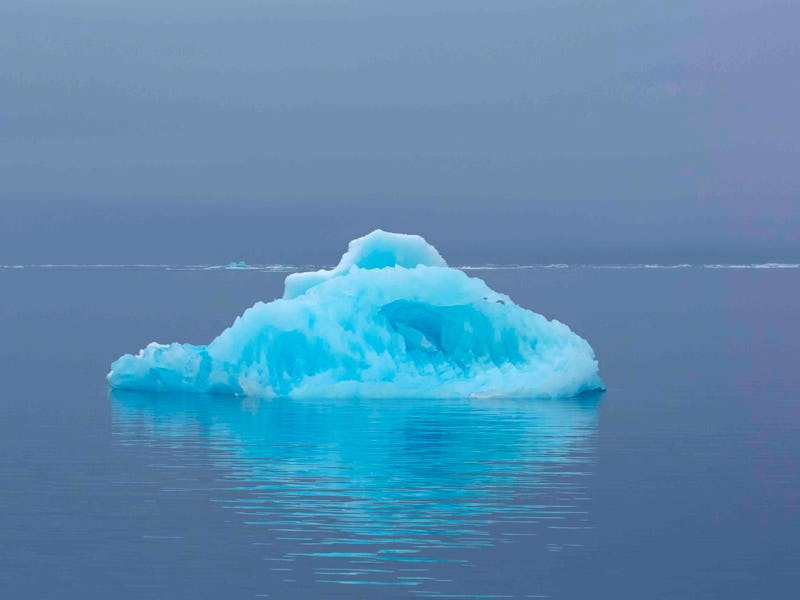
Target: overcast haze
[594,131]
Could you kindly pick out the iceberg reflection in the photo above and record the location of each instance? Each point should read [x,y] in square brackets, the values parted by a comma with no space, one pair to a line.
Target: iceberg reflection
[384,481]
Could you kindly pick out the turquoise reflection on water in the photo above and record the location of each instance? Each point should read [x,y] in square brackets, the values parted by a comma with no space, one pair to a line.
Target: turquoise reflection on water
[361,486]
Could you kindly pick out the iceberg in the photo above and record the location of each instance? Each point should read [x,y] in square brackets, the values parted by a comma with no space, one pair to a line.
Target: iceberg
[390,320]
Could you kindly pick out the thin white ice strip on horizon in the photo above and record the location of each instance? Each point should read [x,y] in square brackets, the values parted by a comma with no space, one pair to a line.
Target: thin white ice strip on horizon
[511,267]
[635,266]
[281,268]
[639,266]
[574,266]
[154,267]
[754,266]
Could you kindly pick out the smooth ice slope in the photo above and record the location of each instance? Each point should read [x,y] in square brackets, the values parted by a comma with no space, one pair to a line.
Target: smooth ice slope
[392,319]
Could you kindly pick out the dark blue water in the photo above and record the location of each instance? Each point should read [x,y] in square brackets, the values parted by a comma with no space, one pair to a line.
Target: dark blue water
[681,481]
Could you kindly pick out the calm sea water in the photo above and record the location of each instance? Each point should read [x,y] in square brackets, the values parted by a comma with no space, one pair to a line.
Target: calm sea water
[681,481]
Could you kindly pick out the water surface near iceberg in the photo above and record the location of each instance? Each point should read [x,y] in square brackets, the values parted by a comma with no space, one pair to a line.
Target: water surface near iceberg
[390,320]
[407,493]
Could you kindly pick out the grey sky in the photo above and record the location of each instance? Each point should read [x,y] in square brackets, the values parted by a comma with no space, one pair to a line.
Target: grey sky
[610,121]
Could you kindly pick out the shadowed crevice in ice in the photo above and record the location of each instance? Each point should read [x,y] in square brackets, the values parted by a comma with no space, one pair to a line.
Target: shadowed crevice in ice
[391,319]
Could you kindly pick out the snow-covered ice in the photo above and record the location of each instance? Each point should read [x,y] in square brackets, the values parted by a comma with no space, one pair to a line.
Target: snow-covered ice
[390,320]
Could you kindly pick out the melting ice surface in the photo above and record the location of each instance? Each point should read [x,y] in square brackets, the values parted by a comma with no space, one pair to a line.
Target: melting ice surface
[390,320]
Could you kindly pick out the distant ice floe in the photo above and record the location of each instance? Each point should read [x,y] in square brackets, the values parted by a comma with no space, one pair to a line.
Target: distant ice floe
[232,266]
[491,267]
[637,266]
[390,320]
[756,266]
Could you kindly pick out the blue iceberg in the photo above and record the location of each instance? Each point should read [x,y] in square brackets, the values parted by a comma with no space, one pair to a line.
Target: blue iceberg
[390,320]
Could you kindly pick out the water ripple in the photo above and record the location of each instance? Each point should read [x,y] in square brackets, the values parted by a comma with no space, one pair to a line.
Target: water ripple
[361,492]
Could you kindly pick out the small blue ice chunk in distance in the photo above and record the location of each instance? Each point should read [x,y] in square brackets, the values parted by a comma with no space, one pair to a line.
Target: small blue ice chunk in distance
[237,264]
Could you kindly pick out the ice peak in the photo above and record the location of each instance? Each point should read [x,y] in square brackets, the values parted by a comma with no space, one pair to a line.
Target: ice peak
[377,250]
